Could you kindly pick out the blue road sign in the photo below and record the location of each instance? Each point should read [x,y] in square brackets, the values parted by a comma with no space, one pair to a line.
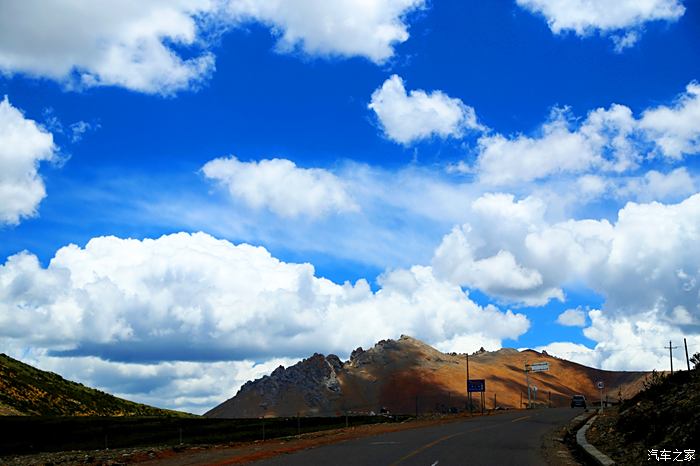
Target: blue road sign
[476,385]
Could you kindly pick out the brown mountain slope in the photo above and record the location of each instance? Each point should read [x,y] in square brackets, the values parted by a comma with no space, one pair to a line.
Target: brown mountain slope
[406,375]
[26,390]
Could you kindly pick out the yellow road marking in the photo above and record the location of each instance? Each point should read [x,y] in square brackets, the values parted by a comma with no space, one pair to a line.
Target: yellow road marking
[425,447]
[447,437]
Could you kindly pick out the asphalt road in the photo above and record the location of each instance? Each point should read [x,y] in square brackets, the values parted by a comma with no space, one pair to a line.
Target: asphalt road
[512,438]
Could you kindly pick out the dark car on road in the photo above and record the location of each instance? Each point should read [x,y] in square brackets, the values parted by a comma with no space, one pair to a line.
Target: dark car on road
[578,401]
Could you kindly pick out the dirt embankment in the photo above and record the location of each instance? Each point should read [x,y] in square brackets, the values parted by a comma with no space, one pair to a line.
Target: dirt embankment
[663,417]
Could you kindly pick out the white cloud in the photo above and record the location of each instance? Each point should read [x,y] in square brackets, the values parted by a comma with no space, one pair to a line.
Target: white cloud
[407,118]
[125,43]
[192,297]
[675,129]
[622,18]
[23,145]
[633,342]
[78,129]
[602,141]
[646,260]
[477,254]
[592,186]
[572,352]
[193,387]
[625,41]
[654,186]
[281,186]
[346,28]
[572,318]
[178,321]
[608,140]
[138,45]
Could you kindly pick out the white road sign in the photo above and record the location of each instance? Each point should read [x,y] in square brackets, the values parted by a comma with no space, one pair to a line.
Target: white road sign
[539,367]
[601,385]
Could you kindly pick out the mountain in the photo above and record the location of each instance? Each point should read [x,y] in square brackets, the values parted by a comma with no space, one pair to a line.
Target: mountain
[407,375]
[28,391]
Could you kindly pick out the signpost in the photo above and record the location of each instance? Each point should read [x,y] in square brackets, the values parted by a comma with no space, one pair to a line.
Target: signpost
[476,385]
[601,385]
[536,367]
[539,367]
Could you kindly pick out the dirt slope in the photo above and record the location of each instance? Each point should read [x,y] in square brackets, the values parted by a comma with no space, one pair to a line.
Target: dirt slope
[406,375]
[26,390]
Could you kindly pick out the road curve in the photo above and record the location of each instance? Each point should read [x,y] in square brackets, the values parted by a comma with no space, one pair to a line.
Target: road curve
[512,438]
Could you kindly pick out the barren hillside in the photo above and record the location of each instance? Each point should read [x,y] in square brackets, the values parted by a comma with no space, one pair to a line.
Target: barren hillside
[406,375]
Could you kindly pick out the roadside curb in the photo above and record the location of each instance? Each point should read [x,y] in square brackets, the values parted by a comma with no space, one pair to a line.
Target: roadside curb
[593,452]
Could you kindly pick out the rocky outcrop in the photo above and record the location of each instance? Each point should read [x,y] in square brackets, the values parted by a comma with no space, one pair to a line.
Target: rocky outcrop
[406,375]
[313,381]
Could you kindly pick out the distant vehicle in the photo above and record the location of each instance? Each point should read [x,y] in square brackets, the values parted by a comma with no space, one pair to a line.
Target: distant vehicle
[578,400]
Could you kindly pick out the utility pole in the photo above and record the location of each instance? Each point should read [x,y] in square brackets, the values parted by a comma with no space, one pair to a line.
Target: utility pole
[469,394]
[670,353]
[687,361]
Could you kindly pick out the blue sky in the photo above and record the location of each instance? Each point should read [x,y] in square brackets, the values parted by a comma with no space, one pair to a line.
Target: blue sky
[507,173]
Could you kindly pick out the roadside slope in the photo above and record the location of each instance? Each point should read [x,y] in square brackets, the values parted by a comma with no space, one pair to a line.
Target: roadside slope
[26,390]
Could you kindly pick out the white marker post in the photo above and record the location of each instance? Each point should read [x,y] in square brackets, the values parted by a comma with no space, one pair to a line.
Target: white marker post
[527,384]
[536,367]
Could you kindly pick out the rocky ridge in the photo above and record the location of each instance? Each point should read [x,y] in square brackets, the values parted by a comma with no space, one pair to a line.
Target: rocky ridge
[408,376]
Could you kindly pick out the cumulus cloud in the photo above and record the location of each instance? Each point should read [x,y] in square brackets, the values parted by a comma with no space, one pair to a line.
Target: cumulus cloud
[654,185]
[409,117]
[647,259]
[675,129]
[23,146]
[126,43]
[281,186]
[183,320]
[622,19]
[193,297]
[479,254]
[343,28]
[602,141]
[634,341]
[608,140]
[140,46]
[572,318]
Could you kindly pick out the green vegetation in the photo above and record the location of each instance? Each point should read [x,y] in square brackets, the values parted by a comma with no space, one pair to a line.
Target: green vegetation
[26,390]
